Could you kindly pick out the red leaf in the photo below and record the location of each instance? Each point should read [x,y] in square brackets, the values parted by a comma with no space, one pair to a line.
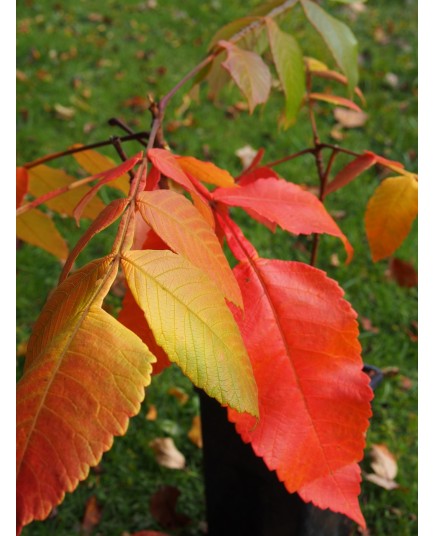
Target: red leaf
[22,184]
[286,204]
[313,396]
[132,317]
[105,177]
[168,165]
[109,215]
[351,171]
[255,174]
[255,162]
[238,244]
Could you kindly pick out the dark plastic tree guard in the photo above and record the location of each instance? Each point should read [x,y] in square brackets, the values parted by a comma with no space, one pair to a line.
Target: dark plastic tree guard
[244,498]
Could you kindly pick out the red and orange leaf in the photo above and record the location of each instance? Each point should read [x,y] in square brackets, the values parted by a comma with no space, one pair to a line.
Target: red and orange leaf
[109,215]
[168,164]
[190,320]
[206,171]
[185,231]
[390,214]
[249,72]
[335,99]
[38,229]
[314,399]
[44,179]
[286,204]
[22,184]
[203,207]
[391,164]
[77,392]
[132,317]
[152,179]
[351,171]
[258,173]
[94,163]
[338,491]
[237,242]
[103,178]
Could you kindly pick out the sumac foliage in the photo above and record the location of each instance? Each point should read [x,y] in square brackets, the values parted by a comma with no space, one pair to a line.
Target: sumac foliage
[273,341]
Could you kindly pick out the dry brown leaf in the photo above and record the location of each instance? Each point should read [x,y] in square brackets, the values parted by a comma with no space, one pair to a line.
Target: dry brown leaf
[167,454]
[179,394]
[246,154]
[403,273]
[334,260]
[62,112]
[195,433]
[92,515]
[384,466]
[350,118]
[336,132]
[163,508]
[367,325]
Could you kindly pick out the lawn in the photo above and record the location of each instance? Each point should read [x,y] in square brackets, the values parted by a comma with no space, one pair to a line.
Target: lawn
[82,64]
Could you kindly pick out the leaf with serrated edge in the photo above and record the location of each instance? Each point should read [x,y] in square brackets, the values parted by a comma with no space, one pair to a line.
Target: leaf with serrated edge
[38,229]
[313,395]
[94,163]
[191,322]
[288,60]
[338,37]
[185,231]
[84,380]
[390,214]
[286,204]
[249,72]
[44,179]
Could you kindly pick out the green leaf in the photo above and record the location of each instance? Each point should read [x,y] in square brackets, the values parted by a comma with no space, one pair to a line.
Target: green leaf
[288,60]
[338,37]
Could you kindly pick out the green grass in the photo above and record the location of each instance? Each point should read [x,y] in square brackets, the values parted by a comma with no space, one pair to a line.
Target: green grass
[94,64]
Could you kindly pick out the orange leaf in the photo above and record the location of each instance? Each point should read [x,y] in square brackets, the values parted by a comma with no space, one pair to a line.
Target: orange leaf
[195,432]
[44,179]
[335,99]
[22,184]
[390,214]
[94,163]
[168,164]
[189,319]
[38,229]
[185,231]
[84,378]
[205,171]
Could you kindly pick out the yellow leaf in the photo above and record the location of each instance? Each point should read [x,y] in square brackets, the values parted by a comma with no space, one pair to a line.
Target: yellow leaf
[94,162]
[390,214]
[38,229]
[195,432]
[44,179]
[191,321]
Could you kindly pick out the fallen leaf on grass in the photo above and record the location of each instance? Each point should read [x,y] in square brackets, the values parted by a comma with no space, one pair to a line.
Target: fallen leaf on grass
[152,413]
[246,154]
[412,332]
[179,394]
[384,466]
[195,433]
[163,508]
[167,454]
[62,112]
[367,325]
[92,515]
[405,383]
[334,260]
[350,118]
[403,272]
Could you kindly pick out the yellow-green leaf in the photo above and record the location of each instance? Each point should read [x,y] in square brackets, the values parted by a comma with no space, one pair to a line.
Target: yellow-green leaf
[38,229]
[288,60]
[390,214]
[44,179]
[191,322]
[185,231]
